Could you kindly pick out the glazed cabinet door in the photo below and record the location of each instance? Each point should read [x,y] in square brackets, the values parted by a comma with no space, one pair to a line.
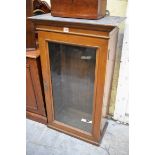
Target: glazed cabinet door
[72,76]
[73,88]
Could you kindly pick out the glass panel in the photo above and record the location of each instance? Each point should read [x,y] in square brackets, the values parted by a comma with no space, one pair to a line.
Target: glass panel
[73,73]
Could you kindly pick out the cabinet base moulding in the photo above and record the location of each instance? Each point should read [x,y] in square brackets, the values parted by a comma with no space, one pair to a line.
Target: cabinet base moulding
[94,142]
[36,117]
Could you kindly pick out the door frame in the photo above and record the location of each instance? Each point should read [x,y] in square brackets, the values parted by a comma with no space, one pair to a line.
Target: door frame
[100,71]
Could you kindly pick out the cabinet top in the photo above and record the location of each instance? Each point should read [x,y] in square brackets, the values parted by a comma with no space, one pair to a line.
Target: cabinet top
[33,54]
[106,21]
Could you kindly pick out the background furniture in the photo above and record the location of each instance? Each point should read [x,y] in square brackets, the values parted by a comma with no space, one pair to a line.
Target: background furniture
[77,58]
[34,89]
[30,32]
[88,9]
[40,7]
[35,103]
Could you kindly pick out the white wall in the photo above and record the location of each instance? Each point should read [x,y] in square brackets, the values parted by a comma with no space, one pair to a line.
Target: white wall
[121,112]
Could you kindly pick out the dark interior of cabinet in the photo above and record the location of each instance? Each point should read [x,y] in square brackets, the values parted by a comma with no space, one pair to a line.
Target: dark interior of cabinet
[73,76]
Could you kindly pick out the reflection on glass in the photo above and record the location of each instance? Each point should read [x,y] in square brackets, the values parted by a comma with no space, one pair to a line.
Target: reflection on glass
[73,73]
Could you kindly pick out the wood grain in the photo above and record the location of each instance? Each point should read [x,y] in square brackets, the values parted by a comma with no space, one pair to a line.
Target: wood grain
[34,91]
[78,36]
[99,83]
[89,9]
[36,117]
[30,31]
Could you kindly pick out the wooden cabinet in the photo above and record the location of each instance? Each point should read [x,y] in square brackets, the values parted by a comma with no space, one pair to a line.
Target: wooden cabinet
[89,9]
[77,59]
[35,108]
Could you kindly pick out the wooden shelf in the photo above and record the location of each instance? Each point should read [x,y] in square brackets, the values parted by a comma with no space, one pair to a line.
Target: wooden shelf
[33,54]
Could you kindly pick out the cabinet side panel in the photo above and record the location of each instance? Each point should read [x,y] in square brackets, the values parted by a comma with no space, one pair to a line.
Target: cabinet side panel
[109,75]
[34,94]
[30,95]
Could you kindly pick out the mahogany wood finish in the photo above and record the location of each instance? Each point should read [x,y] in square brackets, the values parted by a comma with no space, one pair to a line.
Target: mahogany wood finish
[30,33]
[89,9]
[40,7]
[103,39]
[34,7]
[35,108]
